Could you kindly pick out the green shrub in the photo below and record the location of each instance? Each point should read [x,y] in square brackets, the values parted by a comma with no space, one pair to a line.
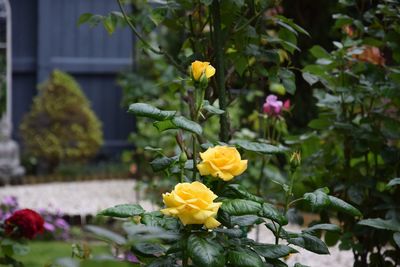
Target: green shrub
[61,127]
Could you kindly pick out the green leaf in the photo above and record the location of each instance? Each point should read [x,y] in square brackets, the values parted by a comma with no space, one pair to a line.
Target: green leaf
[158,15]
[241,64]
[144,233]
[212,109]
[343,206]
[203,252]
[319,52]
[244,258]
[379,223]
[317,199]
[396,238]
[179,122]
[393,182]
[109,24]
[331,238]
[242,192]
[106,235]
[309,242]
[310,78]
[20,249]
[320,124]
[163,163]
[276,262]
[234,232]
[240,207]
[259,147]
[148,248]
[288,79]
[85,17]
[270,212]
[188,125]
[146,110]
[273,251]
[95,20]
[289,39]
[163,262]
[293,25]
[246,220]
[322,226]
[123,211]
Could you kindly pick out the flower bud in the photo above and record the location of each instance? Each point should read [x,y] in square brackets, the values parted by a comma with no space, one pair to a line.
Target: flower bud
[295,159]
[182,158]
[277,88]
[200,69]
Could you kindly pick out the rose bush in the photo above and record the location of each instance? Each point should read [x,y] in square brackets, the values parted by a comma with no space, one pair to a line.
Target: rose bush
[206,220]
[248,53]
[15,230]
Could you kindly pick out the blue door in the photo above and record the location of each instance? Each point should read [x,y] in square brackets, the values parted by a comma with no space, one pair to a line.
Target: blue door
[46,36]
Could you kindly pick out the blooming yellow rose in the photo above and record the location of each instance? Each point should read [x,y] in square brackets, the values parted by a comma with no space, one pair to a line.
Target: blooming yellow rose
[199,67]
[192,203]
[223,162]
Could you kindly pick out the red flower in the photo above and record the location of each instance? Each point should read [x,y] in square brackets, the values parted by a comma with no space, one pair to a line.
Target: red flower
[24,223]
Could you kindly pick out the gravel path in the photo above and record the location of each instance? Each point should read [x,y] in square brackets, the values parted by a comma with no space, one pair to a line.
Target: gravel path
[90,197]
[84,198]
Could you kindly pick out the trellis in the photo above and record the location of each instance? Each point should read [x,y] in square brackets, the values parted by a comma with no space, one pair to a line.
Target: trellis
[9,152]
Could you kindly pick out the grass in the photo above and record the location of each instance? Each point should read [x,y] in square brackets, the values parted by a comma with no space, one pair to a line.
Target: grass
[43,253]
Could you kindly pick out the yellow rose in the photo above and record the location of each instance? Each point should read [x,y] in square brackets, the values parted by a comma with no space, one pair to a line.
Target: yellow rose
[199,67]
[192,203]
[223,162]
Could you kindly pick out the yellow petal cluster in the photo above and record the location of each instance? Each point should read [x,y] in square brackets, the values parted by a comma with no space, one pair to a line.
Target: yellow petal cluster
[199,67]
[223,162]
[192,203]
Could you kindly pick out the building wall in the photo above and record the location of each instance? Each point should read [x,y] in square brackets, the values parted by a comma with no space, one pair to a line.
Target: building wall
[46,36]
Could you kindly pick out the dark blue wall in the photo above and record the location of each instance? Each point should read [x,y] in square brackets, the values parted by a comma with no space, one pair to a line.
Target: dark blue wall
[46,36]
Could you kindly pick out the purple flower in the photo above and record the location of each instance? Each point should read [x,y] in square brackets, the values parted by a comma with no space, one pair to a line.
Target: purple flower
[272,106]
[10,201]
[61,223]
[49,227]
[131,257]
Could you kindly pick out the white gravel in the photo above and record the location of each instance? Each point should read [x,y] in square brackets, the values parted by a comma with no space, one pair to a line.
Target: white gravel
[90,197]
[74,198]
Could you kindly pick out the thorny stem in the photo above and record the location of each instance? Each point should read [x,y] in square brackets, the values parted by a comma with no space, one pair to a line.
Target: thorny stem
[287,204]
[220,75]
[149,46]
[194,158]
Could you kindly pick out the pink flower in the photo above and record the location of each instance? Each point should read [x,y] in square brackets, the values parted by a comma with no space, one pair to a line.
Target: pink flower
[286,105]
[272,106]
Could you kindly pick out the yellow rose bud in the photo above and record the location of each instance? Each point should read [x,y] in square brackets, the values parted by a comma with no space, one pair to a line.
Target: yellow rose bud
[223,162]
[192,203]
[199,68]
